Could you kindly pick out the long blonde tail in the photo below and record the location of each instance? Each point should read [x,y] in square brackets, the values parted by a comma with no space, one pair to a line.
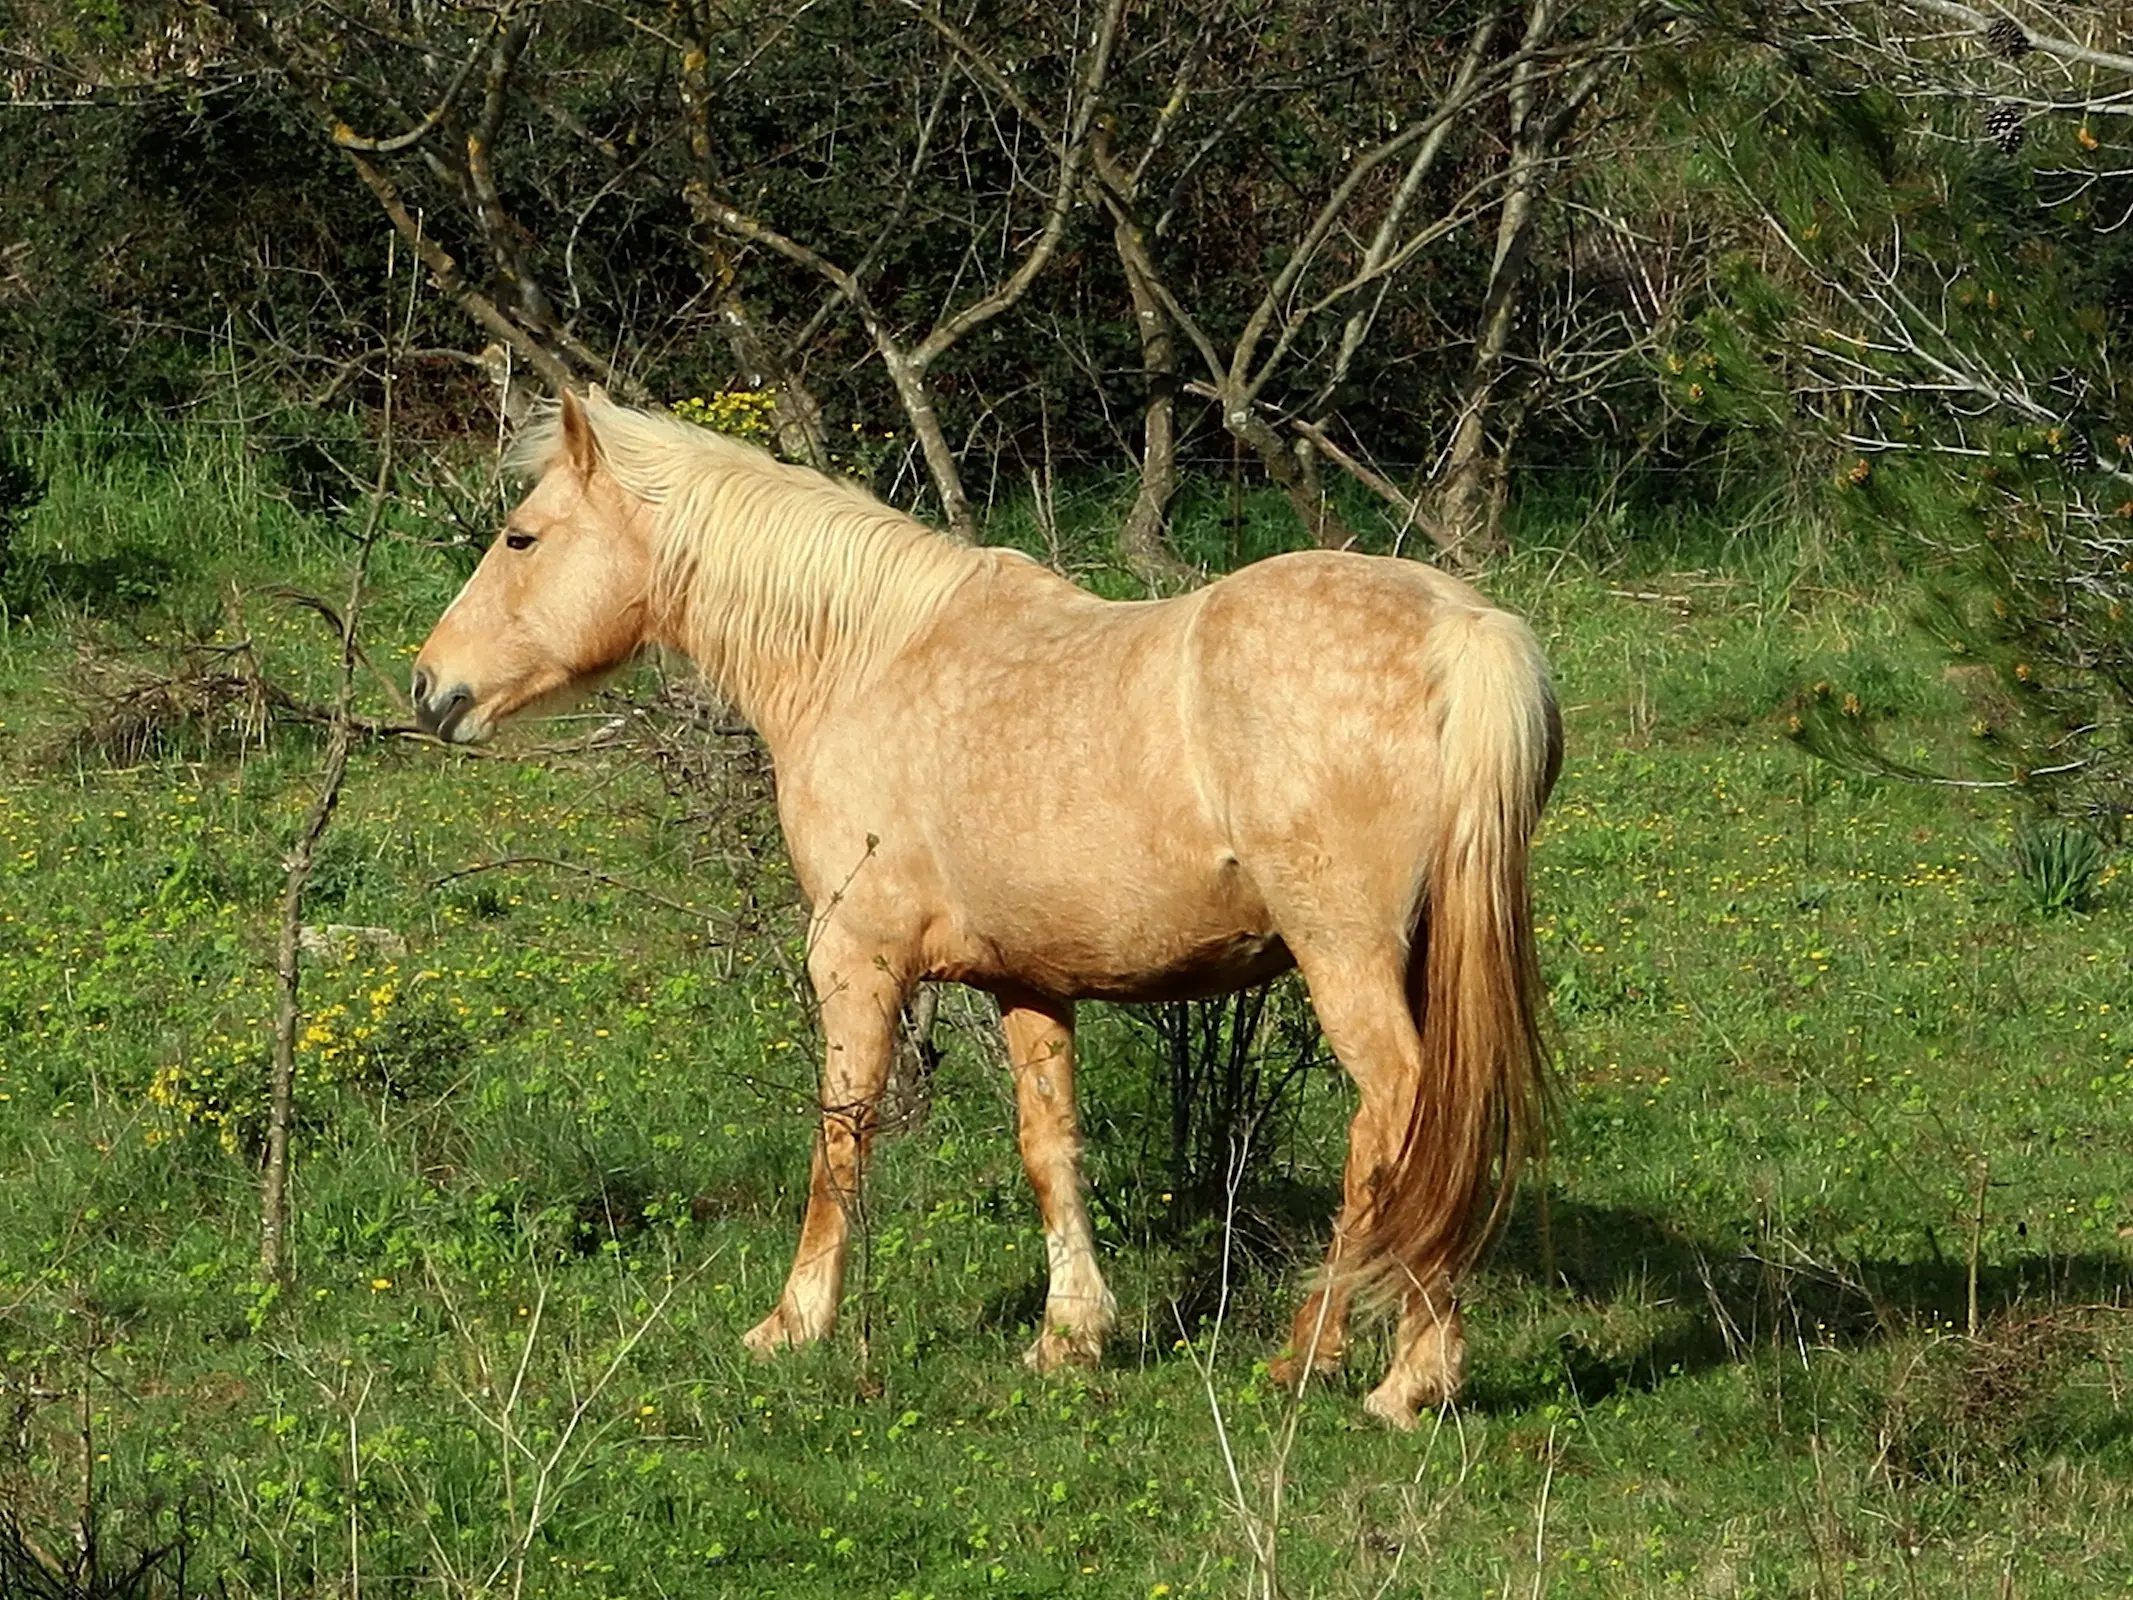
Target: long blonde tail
[1479,1107]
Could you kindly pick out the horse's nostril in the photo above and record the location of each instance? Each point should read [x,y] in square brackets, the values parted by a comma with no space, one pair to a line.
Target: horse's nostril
[420,688]
[441,714]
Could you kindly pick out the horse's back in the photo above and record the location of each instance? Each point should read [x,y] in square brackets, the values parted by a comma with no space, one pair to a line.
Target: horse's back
[1083,796]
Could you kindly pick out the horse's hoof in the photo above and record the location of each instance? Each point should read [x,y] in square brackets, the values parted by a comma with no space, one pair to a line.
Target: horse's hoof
[1064,1347]
[1395,1409]
[772,1334]
[1404,1396]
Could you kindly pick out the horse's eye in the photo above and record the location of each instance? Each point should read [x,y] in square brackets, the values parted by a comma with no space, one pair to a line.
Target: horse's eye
[519,541]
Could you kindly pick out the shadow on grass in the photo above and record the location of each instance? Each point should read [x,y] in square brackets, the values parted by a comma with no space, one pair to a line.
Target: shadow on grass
[1245,1262]
[1716,1300]
[1640,1300]
[104,586]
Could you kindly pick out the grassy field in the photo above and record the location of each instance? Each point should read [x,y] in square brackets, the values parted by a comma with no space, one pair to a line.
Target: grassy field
[1823,1291]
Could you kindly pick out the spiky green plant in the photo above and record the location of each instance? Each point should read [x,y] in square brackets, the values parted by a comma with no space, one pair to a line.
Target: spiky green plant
[2059,865]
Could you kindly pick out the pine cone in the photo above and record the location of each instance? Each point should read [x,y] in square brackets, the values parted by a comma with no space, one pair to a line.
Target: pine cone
[2004,126]
[2006,40]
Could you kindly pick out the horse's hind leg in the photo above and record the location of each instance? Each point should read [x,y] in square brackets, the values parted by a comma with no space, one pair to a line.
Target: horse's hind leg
[860,1006]
[1362,1008]
[1078,1308]
[1362,1030]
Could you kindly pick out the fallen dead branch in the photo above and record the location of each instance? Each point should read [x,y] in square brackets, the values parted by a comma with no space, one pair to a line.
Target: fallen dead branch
[193,696]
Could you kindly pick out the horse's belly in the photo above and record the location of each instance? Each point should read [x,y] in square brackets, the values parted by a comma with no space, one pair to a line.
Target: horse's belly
[1137,942]
[1214,969]
[1083,974]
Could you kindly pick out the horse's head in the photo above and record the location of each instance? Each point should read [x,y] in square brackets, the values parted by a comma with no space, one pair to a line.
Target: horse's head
[558,600]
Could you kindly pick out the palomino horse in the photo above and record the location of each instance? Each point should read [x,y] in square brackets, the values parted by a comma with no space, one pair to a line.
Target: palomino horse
[984,773]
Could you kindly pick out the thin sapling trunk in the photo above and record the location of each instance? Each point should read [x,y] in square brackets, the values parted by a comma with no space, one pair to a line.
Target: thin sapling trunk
[274,1253]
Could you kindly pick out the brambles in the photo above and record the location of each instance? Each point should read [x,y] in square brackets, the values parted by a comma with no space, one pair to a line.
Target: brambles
[94,1570]
[194,696]
[1965,1412]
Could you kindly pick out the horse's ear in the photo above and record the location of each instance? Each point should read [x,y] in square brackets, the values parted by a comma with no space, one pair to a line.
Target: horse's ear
[580,448]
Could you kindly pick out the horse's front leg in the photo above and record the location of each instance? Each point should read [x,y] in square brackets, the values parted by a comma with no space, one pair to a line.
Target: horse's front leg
[860,1004]
[1078,1309]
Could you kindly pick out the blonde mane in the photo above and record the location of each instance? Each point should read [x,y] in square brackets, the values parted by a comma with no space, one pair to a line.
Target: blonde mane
[771,576]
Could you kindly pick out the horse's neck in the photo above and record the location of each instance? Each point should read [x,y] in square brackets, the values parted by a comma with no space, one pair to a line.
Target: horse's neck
[785,654]
[777,694]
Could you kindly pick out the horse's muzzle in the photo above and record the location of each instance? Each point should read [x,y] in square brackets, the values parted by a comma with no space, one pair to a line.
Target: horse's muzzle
[440,711]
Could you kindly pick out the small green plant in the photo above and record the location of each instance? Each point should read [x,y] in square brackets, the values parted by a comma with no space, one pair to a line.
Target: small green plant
[213,1090]
[2060,866]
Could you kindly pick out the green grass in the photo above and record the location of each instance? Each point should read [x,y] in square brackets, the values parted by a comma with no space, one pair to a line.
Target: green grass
[1822,1064]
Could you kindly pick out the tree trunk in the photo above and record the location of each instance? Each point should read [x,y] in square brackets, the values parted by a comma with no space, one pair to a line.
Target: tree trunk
[909,376]
[1470,503]
[1141,542]
[1294,471]
[796,416]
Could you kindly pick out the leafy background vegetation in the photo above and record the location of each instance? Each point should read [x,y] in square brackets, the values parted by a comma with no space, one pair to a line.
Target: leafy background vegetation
[1827,1075]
